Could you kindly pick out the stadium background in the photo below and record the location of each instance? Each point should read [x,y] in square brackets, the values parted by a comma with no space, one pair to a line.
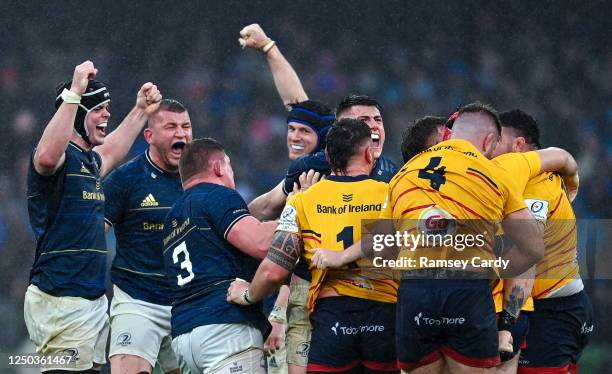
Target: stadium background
[552,59]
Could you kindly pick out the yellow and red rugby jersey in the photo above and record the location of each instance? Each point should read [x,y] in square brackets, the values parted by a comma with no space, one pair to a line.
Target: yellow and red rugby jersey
[329,215]
[546,199]
[522,167]
[453,179]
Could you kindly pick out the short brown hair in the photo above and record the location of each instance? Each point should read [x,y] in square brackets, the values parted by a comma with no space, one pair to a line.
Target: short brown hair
[197,156]
[487,109]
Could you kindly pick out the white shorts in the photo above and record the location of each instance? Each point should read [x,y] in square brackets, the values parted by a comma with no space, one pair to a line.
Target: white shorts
[299,330]
[221,349]
[141,329]
[72,326]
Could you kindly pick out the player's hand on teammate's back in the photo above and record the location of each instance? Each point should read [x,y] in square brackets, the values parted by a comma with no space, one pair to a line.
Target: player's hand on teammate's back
[309,179]
[327,259]
[83,73]
[276,338]
[236,290]
[148,98]
[253,36]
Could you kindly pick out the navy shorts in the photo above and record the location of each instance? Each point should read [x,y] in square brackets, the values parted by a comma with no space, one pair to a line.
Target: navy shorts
[559,329]
[352,335]
[454,318]
[519,334]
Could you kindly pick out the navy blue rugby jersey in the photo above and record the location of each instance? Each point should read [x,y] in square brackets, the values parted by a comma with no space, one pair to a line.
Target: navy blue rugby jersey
[383,171]
[201,263]
[139,194]
[66,212]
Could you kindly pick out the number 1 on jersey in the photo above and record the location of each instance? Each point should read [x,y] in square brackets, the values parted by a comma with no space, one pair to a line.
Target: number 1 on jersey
[346,237]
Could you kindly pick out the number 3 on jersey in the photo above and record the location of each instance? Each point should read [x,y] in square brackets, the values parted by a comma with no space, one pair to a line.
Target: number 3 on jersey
[185,264]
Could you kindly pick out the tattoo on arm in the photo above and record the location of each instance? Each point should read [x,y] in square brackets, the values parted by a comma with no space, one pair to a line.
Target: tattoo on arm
[285,250]
[515,300]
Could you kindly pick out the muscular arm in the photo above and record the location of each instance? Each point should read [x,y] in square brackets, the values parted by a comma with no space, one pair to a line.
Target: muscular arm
[50,152]
[557,160]
[286,80]
[118,143]
[270,204]
[252,236]
[527,236]
[282,257]
[517,290]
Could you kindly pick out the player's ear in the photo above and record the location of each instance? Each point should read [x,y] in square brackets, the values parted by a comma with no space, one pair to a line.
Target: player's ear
[148,135]
[518,145]
[488,144]
[369,155]
[217,168]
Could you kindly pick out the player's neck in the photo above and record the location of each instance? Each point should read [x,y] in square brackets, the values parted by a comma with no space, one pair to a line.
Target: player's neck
[76,139]
[157,160]
[355,170]
[199,179]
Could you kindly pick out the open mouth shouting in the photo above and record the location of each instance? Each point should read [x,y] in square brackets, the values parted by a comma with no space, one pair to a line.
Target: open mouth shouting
[102,128]
[376,140]
[177,148]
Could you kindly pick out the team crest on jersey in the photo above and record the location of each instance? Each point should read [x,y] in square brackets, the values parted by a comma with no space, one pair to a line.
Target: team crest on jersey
[436,221]
[124,339]
[538,208]
[288,220]
[149,201]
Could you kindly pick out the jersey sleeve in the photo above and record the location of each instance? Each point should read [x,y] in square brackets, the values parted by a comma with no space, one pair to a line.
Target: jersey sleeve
[521,167]
[288,220]
[116,192]
[317,162]
[225,209]
[514,200]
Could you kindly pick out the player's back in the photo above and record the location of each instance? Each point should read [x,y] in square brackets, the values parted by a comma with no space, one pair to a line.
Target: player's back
[201,263]
[330,215]
[453,180]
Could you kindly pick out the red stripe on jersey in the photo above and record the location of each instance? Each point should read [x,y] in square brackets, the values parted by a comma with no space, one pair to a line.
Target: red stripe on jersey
[417,208]
[556,266]
[547,370]
[556,206]
[463,206]
[547,290]
[402,194]
[559,241]
[443,196]
[381,366]
[485,182]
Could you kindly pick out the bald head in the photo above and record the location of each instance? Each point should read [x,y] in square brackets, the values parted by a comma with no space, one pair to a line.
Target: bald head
[479,124]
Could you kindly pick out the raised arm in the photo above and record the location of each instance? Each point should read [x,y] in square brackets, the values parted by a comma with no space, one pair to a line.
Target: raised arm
[118,143]
[269,205]
[50,152]
[285,78]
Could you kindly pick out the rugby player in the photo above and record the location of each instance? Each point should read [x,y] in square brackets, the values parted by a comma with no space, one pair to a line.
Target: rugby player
[307,124]
[560,302]
[210,239]
[139,194]
[423,133]
[65,306]
[352,311]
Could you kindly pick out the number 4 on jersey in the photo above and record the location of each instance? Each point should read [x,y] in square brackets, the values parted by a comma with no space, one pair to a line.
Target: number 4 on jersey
[436,176]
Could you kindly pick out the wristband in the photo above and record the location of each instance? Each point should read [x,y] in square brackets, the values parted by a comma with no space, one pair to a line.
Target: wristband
[266,48]
[506,321]
[70,97]
[278,314]
[245,296]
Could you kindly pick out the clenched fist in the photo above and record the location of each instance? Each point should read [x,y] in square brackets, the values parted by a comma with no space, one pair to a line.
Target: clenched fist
[253,36]
[82,74]
[148,98]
